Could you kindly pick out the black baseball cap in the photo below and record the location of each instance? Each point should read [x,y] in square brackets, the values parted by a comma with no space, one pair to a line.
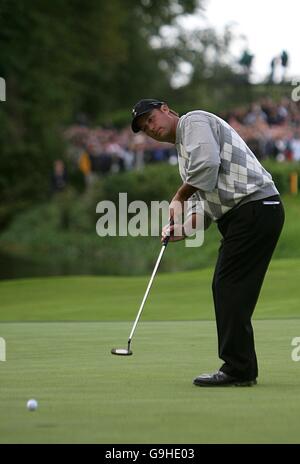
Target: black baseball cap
[143,107]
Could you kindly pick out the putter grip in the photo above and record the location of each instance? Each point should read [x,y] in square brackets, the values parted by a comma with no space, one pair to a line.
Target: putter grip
[166,240]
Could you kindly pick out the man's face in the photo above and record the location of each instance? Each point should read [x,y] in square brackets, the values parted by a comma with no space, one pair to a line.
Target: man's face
[157,124]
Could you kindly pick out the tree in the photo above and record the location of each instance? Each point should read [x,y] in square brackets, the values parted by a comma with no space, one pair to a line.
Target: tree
[60,58]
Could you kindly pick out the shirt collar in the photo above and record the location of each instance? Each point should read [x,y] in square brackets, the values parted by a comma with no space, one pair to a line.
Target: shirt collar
[178,130]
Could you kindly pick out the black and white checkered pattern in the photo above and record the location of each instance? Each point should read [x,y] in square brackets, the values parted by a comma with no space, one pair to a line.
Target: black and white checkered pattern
[239,173]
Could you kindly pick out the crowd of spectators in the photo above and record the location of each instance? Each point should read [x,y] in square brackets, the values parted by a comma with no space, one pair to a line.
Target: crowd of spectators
[100,151]
[272,130]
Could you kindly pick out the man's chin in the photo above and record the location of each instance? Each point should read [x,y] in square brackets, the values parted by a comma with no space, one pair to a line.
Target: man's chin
[161,137]
[157,137]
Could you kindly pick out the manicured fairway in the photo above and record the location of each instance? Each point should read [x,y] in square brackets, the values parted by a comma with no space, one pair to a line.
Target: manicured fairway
[178,296]
[87,395]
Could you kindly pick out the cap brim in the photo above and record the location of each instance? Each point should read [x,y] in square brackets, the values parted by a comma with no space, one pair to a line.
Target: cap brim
[135,128]
[134,125]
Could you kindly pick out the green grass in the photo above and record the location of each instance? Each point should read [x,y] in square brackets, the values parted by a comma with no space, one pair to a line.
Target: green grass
[176,296]
[86,395]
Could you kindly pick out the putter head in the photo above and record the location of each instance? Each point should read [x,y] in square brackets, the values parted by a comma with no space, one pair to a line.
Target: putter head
[121,351]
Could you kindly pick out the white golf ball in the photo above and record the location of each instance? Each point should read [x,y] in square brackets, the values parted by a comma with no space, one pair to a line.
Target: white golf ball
[32,405]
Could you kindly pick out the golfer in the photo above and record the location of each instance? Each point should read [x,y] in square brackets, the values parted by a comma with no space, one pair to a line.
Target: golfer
[235,191]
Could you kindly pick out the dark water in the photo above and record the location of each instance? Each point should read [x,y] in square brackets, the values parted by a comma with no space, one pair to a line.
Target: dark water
[14,268]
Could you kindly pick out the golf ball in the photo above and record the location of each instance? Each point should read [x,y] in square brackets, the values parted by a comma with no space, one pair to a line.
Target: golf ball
[32,405]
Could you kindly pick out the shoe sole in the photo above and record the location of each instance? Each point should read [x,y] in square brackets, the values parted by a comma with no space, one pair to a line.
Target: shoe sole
[248,383]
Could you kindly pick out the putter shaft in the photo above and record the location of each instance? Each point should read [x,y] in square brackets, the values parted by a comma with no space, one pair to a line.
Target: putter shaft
[148,289]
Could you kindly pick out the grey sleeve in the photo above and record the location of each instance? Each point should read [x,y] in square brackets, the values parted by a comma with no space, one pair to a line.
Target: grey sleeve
[195,207]
[203,151]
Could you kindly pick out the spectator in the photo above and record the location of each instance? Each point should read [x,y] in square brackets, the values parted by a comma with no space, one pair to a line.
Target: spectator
[58,177]
[266,126]
[85,167]
[256,114]
[100,161]
[295,146]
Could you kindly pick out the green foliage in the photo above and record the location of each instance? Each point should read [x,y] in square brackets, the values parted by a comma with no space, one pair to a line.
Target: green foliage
[156,182]
[62,58]
[59,237]
[281,173]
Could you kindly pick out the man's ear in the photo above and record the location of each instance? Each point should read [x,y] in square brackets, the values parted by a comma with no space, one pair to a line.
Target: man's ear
[164,107]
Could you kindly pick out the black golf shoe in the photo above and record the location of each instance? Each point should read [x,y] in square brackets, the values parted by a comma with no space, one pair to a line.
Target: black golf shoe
[221,379]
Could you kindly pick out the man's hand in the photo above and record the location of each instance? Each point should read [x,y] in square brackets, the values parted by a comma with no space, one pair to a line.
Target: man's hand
[176,210]
[178,232]
[175,232]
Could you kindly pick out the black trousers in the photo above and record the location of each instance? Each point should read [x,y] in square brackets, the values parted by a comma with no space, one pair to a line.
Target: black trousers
[250,234]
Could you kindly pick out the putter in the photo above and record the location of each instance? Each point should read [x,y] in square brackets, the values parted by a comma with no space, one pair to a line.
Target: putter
[127,351]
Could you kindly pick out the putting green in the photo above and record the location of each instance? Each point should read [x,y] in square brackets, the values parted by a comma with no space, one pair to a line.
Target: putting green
[86,395]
